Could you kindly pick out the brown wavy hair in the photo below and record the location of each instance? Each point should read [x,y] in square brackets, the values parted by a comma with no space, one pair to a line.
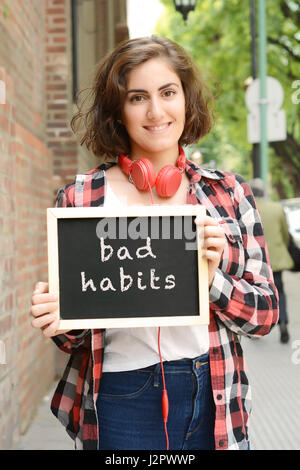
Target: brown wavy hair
[103,132]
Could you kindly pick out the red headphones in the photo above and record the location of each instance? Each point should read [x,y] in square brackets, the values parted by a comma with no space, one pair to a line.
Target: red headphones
[142,174]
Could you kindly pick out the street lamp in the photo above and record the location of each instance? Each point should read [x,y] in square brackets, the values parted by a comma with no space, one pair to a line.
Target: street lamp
[255,151]
[184,7]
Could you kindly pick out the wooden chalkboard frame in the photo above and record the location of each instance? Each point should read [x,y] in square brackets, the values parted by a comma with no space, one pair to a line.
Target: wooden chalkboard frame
[54,214]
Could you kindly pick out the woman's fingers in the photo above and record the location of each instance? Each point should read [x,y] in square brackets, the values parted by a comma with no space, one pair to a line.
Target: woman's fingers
[42,302]
[217,242]
[44,320]
[213,235]
[41,288]
[42,308]
[43,298]
[51,329]
[214,246]
[213,243]
[214,231]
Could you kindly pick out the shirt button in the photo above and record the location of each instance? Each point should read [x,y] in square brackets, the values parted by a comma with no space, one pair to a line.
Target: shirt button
[221,443]
[215,350]
[219,397]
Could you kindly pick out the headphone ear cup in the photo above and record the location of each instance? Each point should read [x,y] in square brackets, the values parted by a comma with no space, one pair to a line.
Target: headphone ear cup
[168,181]
[143,173]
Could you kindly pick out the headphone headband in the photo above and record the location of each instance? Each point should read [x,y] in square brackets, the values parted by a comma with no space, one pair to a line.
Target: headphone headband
[126,163]
[181,159]
[142,174]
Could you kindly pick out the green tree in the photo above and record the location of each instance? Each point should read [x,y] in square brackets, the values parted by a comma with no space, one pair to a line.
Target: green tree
[217,35]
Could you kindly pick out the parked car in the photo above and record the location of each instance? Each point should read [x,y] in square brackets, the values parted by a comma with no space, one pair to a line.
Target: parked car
[292,211]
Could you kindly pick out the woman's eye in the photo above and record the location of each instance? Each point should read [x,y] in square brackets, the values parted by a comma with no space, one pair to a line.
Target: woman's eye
[137,98]
[169,93]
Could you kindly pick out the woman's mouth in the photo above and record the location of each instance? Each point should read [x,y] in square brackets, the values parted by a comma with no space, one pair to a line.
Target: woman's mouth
[158,128]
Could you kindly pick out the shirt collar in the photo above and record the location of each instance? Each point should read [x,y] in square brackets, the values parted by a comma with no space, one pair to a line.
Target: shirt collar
[195,172]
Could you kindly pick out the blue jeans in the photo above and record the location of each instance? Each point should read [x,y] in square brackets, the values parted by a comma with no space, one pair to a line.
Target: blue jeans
[129,407]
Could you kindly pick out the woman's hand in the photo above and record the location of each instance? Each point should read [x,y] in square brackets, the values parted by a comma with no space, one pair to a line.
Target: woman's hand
[213,243]
[43,308]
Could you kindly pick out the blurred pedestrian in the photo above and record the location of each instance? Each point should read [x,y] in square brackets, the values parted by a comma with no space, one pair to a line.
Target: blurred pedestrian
[277,238]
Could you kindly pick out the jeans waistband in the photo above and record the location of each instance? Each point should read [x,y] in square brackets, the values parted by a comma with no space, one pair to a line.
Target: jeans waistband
[180,365]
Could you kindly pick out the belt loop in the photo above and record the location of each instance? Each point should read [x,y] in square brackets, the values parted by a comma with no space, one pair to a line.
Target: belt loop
[156,375]
[199,362]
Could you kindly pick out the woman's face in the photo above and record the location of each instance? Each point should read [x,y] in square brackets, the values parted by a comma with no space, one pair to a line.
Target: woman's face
[154,108]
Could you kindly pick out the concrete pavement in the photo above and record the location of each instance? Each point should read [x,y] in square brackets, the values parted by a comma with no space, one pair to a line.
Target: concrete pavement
[45,431]
[274,374]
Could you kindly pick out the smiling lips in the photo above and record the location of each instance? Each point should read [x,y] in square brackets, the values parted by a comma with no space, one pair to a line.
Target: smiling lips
[157,129]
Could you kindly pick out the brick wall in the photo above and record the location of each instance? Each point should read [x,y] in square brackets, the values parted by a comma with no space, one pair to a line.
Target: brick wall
[59,102]
[25,192]
[8,309]
[38,154]
[58,56]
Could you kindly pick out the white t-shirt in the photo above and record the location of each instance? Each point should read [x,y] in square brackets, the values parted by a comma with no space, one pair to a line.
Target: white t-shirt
[135,348]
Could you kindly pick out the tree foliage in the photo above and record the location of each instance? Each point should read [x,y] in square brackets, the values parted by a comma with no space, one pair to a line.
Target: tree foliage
[218,37]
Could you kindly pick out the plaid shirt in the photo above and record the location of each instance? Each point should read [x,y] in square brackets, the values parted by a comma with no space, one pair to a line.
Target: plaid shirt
[243,301]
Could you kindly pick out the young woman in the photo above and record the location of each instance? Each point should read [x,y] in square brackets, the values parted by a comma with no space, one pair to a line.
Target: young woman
[149,100]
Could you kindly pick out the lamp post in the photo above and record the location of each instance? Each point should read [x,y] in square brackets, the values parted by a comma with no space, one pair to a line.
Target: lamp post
[263,92]
[184,7]
[255,151]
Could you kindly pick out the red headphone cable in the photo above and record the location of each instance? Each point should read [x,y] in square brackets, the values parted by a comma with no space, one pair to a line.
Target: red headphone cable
[151,194]
[164,400]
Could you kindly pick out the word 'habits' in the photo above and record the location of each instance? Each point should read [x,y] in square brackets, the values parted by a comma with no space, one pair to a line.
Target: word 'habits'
[126,281]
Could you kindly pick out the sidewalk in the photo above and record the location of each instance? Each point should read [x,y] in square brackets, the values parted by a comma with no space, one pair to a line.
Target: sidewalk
[274,374]
[45,431]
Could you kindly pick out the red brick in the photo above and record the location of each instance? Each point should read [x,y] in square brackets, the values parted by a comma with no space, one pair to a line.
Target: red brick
[55,49]
[60,39]
[55,11]
[5,325]
[59,20]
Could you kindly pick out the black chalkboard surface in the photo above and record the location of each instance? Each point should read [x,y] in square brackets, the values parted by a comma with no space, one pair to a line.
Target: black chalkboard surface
[141,267]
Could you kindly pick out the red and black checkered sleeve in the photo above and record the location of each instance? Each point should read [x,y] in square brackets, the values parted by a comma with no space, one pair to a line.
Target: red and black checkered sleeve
[74,340]
[65,196]
[246,303]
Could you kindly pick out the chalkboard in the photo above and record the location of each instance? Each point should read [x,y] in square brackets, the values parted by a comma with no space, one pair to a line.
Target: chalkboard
[127,267]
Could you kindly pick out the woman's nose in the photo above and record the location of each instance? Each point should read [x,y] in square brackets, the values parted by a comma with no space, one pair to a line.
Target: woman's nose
[155,110]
